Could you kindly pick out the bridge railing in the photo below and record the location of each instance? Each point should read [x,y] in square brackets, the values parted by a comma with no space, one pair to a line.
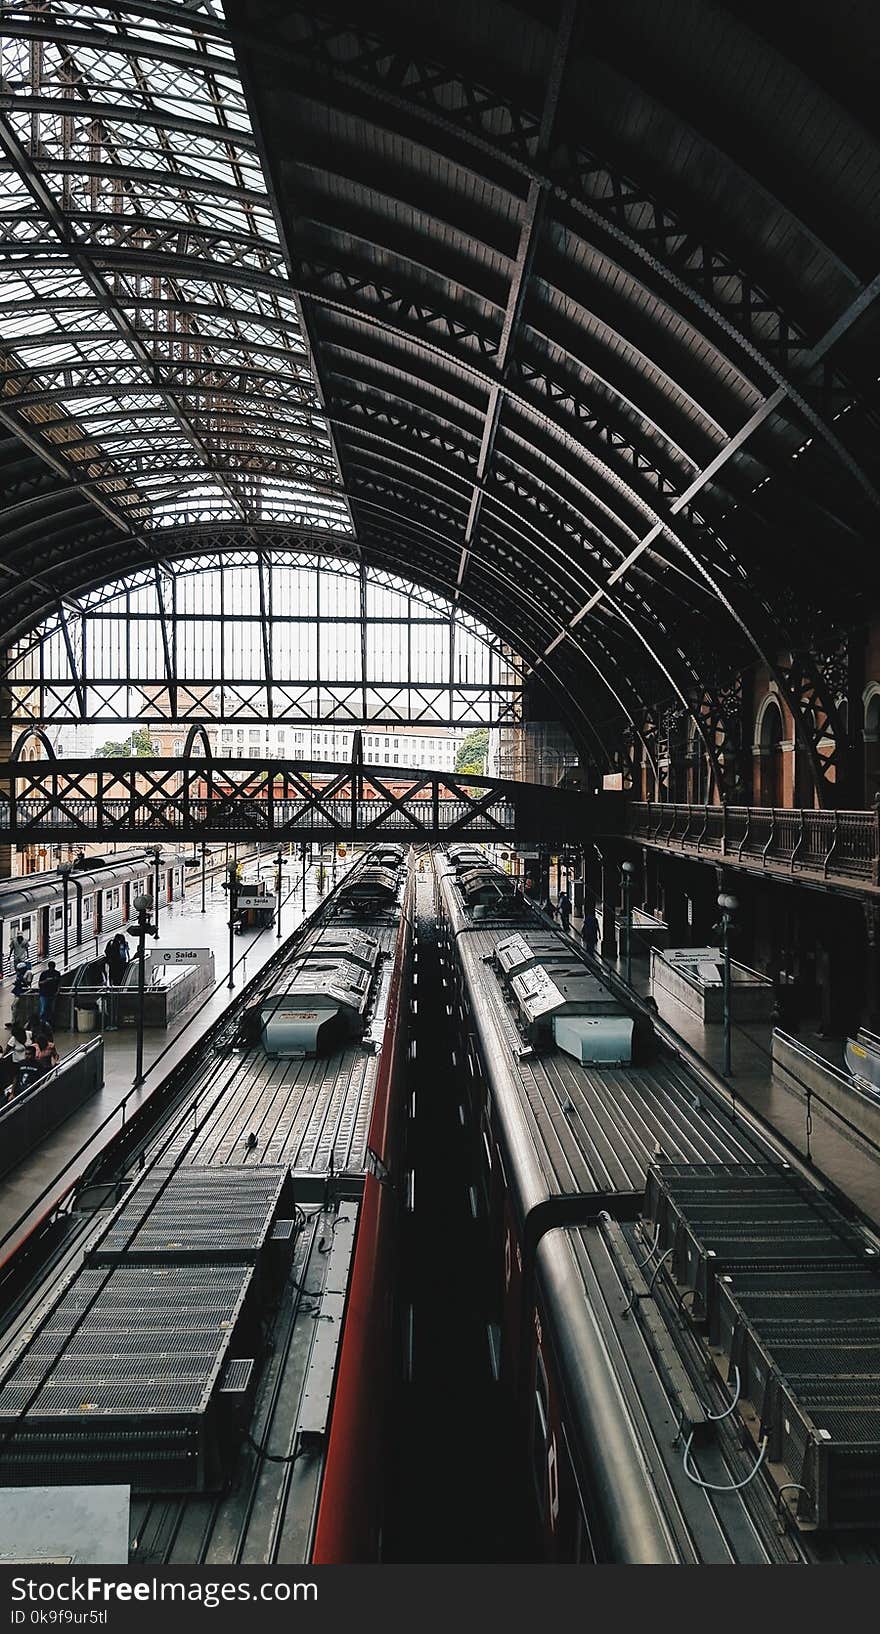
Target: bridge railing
[838,845]
[212,799]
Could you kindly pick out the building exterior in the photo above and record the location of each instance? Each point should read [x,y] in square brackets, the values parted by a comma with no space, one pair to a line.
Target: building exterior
[408,746]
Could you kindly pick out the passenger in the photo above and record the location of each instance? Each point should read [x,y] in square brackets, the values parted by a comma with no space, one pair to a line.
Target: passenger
[564,907]
[8,1077]
[20,1049]
[49,987]
[116,955]
[20,952]
[45,1054]
[21,997]
[590,930]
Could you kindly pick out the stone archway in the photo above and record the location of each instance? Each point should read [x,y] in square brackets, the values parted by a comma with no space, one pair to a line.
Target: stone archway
[769,737]
[871,704]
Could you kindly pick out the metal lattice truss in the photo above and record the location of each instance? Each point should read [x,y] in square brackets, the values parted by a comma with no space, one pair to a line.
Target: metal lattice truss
[150,343]
[273,636]
[549,377]
[214,799]
[590,294]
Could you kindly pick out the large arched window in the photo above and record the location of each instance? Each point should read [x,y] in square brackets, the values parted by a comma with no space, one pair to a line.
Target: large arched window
[770,739]
[264,636]
[872,742]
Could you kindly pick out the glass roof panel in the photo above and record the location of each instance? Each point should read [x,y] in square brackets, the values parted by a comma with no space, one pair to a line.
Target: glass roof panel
[147,323]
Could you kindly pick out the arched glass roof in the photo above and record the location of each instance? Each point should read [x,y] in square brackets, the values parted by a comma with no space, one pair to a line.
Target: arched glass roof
[149,339]
[569,310]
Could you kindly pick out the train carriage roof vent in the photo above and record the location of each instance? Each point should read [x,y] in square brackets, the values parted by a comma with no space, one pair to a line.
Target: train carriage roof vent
[323,1005]
[566,1003]
[369,889]
[526,949]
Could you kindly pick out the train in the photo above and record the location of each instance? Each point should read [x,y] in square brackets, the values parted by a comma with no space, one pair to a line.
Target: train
[96,895]
[683,1317]
[213,1322]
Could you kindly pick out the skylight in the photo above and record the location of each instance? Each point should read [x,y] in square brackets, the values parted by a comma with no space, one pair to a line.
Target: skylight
[150,342]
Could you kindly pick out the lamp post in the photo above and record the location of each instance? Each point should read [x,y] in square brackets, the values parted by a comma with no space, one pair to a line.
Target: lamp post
[141,931]
[204,850]
[279,864]
[628,869]
[728,905]
[230,884]
[304,856]
[64,870]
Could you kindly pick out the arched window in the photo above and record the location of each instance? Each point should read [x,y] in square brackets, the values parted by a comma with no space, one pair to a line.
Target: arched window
[698,769]
[872,742]
[770,738]
[256,636]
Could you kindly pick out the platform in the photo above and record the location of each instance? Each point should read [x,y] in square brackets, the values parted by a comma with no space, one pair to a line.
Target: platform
[848,1166]
[45,1174]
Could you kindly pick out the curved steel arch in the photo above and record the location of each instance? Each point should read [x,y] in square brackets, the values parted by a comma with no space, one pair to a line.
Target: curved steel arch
[488,307]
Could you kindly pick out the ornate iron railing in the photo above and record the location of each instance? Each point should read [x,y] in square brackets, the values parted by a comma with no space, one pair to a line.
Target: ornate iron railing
[832,845]
[213,799]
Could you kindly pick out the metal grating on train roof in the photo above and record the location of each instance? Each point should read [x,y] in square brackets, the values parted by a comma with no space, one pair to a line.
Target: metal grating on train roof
[180,1214]
[791,1294]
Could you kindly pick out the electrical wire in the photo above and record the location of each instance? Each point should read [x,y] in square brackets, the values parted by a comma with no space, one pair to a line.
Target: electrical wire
[275,1457]
[712,1486]
[715,1418]
[630,1304]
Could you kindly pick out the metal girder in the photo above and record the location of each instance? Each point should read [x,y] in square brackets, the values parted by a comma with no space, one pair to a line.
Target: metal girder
[217,799]
[630,216]
[521,269]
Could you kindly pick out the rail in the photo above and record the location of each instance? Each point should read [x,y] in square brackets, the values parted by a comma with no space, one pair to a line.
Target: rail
[838,846]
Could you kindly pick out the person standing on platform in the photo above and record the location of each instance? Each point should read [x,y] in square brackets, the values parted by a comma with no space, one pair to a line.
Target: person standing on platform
[590,930]
[21,997]
[49,987]
[563,905]
[20,953]
[117,959]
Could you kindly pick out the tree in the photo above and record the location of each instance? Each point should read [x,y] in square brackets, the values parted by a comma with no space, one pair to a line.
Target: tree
[140,743]
[473,752]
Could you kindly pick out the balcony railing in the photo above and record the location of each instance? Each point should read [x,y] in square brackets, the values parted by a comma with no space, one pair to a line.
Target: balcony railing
[833,845]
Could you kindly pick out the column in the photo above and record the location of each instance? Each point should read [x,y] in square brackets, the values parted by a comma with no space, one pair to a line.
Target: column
[871,1005]
[7,853]
[650,880]
[610,889]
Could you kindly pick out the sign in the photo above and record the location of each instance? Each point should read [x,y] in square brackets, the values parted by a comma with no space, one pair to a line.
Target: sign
[612,780]
[341,850]
[180,955]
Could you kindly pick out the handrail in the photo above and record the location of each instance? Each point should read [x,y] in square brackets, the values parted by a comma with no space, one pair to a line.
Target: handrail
[830,844]
[39,1083]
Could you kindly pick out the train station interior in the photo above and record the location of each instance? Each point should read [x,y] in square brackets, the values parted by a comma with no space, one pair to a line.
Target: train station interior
[439,783]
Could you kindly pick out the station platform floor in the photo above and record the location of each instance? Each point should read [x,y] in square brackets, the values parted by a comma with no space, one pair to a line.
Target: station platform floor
[833,1153]
[31,1189]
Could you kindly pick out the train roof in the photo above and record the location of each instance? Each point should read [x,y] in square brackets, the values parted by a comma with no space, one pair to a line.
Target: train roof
[662,1385]
[23,895]
[303,1112]
[237,1111]
[594,1128]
